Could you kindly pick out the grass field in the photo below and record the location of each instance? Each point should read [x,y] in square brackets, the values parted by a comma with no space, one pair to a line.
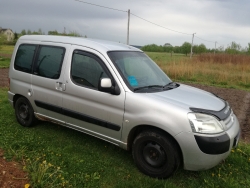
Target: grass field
[223,70]
[55,156]
[4,62]
[6,49]
[5,54]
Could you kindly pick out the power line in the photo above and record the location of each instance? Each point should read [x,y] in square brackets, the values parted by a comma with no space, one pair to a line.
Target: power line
[143,19]
[133,15]
[220,44]
[210,41]
[101,6]
[160,25]
[205,39]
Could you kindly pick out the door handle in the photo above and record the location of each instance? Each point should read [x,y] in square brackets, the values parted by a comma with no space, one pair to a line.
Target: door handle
[60,86]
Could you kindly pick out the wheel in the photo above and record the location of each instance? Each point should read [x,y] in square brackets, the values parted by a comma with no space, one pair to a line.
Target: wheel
[24,112]
[155,154]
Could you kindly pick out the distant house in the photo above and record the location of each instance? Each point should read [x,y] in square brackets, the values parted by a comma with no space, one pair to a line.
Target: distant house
[8,33]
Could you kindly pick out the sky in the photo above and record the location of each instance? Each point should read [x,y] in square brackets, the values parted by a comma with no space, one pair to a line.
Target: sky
[214,22]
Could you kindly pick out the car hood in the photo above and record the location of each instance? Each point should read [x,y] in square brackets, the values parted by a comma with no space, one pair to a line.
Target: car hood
[187,96]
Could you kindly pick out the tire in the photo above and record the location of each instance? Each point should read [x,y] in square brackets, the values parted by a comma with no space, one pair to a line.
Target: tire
[24,113]
[155,154]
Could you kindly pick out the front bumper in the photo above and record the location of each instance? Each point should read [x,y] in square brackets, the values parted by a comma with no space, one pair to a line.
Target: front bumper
[202,151]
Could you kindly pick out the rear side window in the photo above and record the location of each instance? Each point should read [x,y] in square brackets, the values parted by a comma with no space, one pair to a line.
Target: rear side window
[24,57]
[49,61]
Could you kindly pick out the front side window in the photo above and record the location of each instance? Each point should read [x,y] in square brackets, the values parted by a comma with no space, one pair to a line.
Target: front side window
[49,61]
[24,57]
[86,70]
[139,71]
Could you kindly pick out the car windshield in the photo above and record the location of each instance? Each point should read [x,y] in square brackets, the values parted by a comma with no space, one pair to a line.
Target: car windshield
[138,71]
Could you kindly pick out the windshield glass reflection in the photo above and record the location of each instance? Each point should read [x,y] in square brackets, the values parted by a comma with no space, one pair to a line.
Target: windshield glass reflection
[139,71]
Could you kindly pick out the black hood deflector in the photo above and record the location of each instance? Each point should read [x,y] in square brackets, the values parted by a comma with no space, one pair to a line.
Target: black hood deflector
[221,115]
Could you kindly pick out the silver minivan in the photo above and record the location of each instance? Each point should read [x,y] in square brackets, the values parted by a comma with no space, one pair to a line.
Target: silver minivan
[117,93]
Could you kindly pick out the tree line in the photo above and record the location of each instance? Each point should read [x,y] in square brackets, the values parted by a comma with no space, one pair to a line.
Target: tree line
[3,38]
[185,48]
[53,32]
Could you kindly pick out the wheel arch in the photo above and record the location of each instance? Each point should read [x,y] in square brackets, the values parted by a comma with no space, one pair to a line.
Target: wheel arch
[17,96]
[140,128]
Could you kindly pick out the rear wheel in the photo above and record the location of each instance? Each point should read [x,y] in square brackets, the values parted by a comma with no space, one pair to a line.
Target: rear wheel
[24,112]
[155,154]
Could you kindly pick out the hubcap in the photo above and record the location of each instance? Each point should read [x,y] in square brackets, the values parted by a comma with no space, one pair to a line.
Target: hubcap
[23,111]
[154,154]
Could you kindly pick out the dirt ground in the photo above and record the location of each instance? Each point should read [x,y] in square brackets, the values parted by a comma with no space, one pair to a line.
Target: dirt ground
[239,101]
[11,174]
[4,74]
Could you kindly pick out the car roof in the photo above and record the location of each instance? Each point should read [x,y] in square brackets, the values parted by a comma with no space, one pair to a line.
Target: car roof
[97,44]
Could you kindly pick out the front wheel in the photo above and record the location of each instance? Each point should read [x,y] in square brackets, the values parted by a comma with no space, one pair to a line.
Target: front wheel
[155,154]
[24,112]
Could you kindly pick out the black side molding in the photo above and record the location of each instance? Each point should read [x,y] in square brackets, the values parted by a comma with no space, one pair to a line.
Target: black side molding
[92,120]
[221,115]
[49,107]
[213,145]
[78,116]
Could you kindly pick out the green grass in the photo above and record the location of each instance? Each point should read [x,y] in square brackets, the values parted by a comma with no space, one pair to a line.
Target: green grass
[162,57]
[6,49]
[55,156]
[4,62]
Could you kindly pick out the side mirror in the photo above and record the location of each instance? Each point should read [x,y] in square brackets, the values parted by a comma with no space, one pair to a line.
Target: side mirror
[107,86]
[106,83]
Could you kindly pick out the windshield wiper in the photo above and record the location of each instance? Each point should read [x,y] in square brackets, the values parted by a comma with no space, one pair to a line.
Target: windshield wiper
[148,87]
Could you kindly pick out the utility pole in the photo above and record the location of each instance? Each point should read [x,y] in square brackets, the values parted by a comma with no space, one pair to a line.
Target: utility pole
[192,46]
[128,27]
[215,47]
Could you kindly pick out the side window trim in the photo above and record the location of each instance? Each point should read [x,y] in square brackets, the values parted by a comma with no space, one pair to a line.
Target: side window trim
[34,59]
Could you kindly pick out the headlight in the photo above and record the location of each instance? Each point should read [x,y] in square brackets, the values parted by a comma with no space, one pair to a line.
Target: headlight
[203,123]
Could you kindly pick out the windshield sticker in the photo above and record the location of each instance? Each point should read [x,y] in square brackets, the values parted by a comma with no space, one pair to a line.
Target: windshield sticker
[132,80]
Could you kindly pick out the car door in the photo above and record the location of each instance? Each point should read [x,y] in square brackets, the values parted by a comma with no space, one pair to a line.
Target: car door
[86,108]
[47,86]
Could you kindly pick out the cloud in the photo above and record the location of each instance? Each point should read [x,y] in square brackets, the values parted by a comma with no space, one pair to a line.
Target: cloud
[211,19]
